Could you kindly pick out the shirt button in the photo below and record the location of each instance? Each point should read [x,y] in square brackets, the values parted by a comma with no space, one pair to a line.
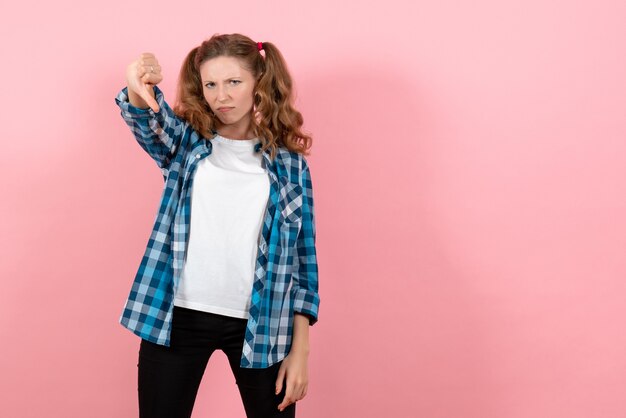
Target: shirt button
[159,131]
[198,156]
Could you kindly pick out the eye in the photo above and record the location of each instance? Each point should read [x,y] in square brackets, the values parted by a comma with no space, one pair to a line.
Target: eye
[209,84]
[235,81]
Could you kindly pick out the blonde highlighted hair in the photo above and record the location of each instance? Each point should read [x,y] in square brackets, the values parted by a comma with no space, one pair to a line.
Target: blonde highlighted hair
[276,122]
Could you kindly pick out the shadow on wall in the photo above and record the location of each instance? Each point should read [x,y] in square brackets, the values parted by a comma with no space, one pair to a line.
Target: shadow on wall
[370,135]
[386,275]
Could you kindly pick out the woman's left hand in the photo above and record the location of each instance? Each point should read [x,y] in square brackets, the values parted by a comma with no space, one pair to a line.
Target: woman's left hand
[295,368]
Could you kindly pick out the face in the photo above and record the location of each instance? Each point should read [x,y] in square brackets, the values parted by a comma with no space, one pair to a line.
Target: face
[228,89]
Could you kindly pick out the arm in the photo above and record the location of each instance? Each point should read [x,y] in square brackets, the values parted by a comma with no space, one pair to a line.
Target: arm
[158,133]
[305,281]
[300,340]
[294,368]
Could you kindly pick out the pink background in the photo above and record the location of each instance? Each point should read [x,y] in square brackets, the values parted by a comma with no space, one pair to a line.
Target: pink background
[470,182]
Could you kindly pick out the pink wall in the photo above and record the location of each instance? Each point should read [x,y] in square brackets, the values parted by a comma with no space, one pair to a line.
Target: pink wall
[470,182]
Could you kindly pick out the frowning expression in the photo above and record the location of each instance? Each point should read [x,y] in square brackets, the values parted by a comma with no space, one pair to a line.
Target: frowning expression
[228,88]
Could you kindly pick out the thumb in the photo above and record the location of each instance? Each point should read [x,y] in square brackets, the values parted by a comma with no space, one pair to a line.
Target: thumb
[145,94]
[280,379]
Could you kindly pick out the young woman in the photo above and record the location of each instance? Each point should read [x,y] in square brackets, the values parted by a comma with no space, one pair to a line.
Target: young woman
[231,263]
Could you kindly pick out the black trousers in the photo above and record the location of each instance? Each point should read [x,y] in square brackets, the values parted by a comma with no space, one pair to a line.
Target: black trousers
[169,377]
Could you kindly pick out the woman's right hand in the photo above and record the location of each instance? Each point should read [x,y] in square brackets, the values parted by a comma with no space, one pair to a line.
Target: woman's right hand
[141,75]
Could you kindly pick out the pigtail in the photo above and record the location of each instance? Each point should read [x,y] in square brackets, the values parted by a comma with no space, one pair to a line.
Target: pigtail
[274,99]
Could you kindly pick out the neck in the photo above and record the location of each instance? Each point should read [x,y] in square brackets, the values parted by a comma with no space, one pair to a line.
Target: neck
[236,132]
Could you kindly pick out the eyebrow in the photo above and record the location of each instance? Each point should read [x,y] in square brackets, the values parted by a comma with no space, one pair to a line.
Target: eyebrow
[226,79]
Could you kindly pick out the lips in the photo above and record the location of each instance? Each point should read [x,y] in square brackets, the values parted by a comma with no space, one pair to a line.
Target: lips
[225,109]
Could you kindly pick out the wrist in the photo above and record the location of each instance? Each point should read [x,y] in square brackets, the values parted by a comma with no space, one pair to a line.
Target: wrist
[300,349]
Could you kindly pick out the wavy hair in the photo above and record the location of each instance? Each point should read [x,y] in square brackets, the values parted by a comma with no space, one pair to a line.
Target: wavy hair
[275,120]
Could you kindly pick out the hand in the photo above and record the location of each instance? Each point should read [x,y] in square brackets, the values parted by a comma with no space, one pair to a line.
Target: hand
[294,366]
[141,75]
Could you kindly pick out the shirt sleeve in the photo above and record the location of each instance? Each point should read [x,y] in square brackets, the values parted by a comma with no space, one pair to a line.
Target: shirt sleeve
[305,280]
[158,133]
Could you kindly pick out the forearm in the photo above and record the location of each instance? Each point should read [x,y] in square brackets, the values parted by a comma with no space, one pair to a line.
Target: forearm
[159,134]
[300,341]
[305,275]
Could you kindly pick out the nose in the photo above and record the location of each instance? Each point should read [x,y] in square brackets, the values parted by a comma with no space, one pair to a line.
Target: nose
[221,93]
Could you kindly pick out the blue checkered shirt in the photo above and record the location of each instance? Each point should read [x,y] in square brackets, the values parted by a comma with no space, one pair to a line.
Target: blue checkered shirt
[285,277]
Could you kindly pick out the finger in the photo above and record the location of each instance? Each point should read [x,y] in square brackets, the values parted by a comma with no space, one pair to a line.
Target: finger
[285,403]
[151,71]
[288,399]
[150,60]
[147,97]
[147,62]
[151,68]
[280,379]
[151,78]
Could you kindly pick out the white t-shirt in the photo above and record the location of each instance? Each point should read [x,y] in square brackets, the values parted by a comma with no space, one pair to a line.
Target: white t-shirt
[228,200]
